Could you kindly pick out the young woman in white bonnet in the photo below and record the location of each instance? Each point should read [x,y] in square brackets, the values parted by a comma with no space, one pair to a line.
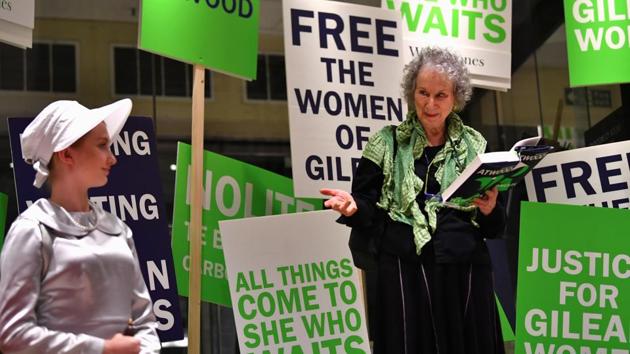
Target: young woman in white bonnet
[69,275]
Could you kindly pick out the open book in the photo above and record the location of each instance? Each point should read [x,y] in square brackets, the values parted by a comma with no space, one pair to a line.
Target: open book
[503,169]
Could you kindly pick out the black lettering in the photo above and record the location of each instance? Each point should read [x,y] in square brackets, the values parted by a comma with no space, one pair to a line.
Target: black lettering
[314,169]
[329,62]
[329,168]
[394,107]
[617,202]
[358,105]
[328,98]
[362,138]
[340,176]
[308,100]
[343,71]
[245,13]
[296,28]
[355,34]
[377,107]
[211,5]
[570,180]
[229,10]
[539,185]
[334,32]
[344,130]
[605,174]
[382,37]
[364,74]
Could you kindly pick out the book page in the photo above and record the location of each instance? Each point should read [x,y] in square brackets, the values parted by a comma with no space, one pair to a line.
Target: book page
[533,141]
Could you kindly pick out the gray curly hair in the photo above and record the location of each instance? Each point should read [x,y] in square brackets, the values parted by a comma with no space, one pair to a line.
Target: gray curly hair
[444,61]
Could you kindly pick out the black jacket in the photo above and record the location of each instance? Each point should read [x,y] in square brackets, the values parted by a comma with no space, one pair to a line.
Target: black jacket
[455,240]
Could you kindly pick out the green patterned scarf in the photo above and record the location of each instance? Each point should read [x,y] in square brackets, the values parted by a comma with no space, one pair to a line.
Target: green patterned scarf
[401,185]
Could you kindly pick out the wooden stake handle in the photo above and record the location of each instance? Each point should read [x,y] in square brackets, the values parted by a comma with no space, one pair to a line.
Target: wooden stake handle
[196,171]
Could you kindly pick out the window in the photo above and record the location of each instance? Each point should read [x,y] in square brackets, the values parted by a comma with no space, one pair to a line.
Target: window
[45,67]
[137,72]
[270,83]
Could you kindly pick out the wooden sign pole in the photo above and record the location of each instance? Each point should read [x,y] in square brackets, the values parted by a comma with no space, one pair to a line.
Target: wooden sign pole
[196,175]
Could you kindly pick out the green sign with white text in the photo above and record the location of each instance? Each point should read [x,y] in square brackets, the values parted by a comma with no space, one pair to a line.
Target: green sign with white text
[598,41]
[231,190]
[573,280]
[221,35]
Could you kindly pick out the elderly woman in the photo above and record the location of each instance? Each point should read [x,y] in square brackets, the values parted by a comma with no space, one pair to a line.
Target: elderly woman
[435,287]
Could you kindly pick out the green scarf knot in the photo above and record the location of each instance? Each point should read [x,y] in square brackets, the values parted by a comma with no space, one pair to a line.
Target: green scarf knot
[400,183]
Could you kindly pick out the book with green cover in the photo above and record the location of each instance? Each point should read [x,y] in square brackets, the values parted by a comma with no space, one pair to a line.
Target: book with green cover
[503,169]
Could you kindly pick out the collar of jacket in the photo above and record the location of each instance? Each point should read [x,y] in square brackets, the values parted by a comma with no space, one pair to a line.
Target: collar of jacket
[57,218]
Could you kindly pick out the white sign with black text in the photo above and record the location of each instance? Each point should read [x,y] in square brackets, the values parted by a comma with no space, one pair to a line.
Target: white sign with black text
[596,176]
[344,67]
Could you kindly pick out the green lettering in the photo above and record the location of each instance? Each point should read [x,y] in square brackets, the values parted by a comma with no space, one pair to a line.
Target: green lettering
[279,351]
[313,324]
[349,349]
[331,291]
[435,20]
[348,298]
[412,20]
[310,300]
[346,268]
[250,333]
[269,332]
[286,330]
[270,309]
[283,273]
[296,349]
[353,319]
[241,307]
[473,16]
[335,321]
[241,282]
[494,28]
[315,347]
[498,8]
[288,303]
[455,24]
[318,271]
[484,4]
[463,3]
[331,345]
[332,268]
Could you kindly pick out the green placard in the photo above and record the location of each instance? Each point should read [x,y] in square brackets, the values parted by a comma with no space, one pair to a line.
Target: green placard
[573,280]
[598,41]
[3,216]
[218,34]
[506,328]
[232,190]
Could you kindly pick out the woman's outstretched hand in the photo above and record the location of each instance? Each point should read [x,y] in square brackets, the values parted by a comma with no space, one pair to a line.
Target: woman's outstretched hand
[340,201]
[487,202]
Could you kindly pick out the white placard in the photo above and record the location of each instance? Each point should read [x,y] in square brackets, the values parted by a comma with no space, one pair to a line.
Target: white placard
[479,31]
[344,68]
[17,19]
[293,285]
[597,175]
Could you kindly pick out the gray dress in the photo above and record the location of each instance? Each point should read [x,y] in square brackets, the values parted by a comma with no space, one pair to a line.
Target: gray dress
[91,289]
